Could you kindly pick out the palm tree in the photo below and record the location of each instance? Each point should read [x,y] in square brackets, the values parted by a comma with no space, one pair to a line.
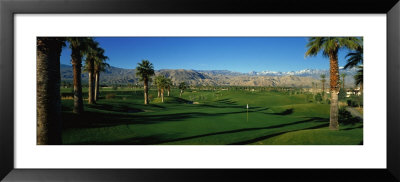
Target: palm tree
[359,78]
[145,70]
[169,84]
[100,65]
[48,106]
[330,46]
[313,87]
[356,59]
[343,76]
[79,46]
[157,81]
[91,55]
[182,87]
[323,80]
[163,85]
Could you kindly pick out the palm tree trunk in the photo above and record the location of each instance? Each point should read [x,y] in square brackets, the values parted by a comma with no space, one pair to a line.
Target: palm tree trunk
[159,93]
[91,88]
[334,77]
[48,106]
[343,82]
[162,95]
[181,93]
[91,82]
[77,65]
[169,89]
[146,90]
[96,87]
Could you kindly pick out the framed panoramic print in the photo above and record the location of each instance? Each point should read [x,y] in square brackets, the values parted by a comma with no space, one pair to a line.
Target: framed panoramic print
[199,90]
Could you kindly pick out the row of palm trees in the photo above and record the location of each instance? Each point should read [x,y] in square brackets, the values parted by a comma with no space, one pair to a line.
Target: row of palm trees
[323,81]
[48,81]
[145,71]
[330,47]
[163,84]
[83,47]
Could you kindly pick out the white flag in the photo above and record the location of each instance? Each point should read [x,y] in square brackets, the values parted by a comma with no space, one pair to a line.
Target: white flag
[247,106]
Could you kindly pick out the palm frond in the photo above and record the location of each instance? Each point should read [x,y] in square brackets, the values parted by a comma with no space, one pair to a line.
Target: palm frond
[359,77]
[145,70]
[354,58]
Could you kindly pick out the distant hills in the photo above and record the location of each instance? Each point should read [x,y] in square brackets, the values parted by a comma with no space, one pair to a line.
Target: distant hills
[301,78]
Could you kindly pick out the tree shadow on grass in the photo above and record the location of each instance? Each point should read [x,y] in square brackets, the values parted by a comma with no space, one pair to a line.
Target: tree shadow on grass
[226,101]
[90,119]
[115,108]
[180,100]
[161,141]
[229,106]
[352,128]
[285,112]
[275,134]
[145,140]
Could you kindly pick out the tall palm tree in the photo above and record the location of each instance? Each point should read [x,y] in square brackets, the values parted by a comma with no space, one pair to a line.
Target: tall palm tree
[91,55]
[343,76]
[157,80]
[182,87]
[169,84]
[48,106]
[330,46]
[100,65]
[323,80]
[163,84]
[145,70]
[79,46]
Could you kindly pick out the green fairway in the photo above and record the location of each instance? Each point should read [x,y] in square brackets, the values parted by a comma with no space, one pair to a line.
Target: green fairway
[203,117]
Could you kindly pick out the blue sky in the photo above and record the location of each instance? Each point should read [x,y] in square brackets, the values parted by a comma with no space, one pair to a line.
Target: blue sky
[241,54]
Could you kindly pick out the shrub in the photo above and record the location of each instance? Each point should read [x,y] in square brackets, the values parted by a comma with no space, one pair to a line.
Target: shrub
[345,117]
[328,101]
[318,97]
[349,103]
[309,98]
[114,87]
[355,101]
[342,94]
[110,96]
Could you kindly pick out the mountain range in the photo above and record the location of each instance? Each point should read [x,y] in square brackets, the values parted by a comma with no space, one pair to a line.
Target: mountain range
[301,78]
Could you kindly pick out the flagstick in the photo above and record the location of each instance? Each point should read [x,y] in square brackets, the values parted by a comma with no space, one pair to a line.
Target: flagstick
[247,112]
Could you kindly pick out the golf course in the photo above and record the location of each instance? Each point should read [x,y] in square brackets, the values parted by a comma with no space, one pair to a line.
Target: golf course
[199,91]
[204,117]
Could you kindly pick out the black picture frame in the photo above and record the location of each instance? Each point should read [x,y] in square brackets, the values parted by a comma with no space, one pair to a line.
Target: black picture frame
[8,8]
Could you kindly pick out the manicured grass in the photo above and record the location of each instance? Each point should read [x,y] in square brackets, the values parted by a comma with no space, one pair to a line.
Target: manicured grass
[203,117]
[348,135]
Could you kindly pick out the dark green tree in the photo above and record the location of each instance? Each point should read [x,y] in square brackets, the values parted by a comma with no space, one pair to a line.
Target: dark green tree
[145,70]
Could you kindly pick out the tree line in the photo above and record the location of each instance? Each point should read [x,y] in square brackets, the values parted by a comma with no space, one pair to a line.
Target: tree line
[48,52]
[145,71]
